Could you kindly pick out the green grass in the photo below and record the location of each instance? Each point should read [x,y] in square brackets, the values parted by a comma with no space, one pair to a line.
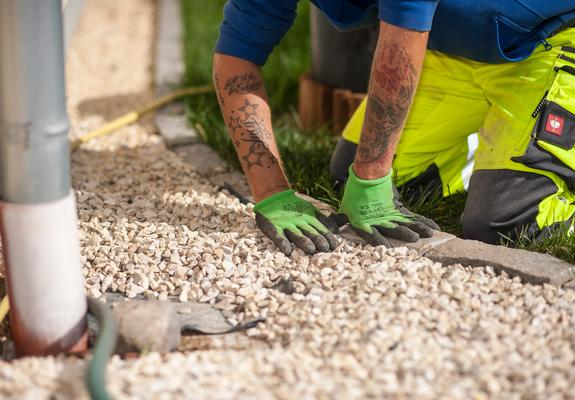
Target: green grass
[306,156]
[446,212]
[558,243]
[287,62]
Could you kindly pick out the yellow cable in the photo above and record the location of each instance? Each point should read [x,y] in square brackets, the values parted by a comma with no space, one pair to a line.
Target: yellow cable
[4,308]
[135,115]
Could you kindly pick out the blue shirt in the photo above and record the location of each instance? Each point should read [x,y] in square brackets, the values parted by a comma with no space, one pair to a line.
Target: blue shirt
[491,31]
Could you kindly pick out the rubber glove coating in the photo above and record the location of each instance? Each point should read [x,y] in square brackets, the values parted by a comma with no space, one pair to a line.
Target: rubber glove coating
[374,211]
[287,219]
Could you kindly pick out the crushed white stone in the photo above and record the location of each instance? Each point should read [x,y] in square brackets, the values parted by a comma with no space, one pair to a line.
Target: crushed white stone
[362,322]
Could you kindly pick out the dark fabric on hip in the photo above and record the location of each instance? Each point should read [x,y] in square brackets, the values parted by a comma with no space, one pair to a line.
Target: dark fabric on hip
[341,158]
[504,203]
[429,182]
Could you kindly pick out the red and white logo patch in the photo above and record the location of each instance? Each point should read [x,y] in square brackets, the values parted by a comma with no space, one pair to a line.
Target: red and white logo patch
[555,124]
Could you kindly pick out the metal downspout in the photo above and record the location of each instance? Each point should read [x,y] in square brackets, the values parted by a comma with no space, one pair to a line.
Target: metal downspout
[37,209]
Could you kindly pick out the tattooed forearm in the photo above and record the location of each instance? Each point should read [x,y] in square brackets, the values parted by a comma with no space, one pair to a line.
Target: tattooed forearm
[394,72]
[218,88]
[248,118]
[393,85]
[381,121]
[251,137]
[242,84]
[258,153]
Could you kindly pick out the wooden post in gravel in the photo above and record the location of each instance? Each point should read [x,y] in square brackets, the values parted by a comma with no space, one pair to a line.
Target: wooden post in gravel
[315,104]
[341,62]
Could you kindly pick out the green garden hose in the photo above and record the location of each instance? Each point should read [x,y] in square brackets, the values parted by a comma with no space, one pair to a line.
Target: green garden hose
[103,350]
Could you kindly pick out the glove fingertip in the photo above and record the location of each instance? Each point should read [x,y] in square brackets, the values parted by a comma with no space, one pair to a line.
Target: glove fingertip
[431,224]
[421,229]
[320,242]
[399,232]
[328,222]
[427,222]
[425,234]
[331,240]
[285,247]
[339,220]
[374,238]
[271,232]
[303,242]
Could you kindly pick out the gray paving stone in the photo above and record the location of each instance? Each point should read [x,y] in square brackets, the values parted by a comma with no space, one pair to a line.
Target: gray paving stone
[201,318]
[422,246]
[530,266]
[153,325]
[146,325]
[169,68]
[447,249]
[169,64]
[235,182]
[202,158]
[175,130]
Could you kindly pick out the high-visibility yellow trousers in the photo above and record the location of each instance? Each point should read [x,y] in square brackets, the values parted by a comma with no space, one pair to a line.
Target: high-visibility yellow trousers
[504,132]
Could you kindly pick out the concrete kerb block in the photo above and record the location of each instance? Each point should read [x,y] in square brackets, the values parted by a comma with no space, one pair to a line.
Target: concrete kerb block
[154,325]
[169,61]
[443,247]
[235,183]
[532,267]
[175,130]
[448,249]
[202,158]
[146,325]
[169,69]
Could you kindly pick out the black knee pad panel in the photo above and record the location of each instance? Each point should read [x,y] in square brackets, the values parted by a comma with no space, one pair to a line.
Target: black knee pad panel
[504,203]
[429,183]
[341,158]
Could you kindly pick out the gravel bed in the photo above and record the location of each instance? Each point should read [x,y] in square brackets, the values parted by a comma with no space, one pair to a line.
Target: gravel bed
[360,322]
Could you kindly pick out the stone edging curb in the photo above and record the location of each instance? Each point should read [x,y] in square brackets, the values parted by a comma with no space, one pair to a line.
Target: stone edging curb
[169,69]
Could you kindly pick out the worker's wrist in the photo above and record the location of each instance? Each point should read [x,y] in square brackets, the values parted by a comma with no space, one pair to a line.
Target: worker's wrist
[356,181]
[260,195]
[276,197]
[371,170]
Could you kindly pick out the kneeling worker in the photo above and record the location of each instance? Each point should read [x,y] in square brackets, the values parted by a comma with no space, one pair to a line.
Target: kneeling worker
[250,30]
[512,65]
[504,69]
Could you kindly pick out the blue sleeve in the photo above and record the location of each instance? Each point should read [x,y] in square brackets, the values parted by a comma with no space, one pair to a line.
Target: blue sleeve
[251,28]
[410,14]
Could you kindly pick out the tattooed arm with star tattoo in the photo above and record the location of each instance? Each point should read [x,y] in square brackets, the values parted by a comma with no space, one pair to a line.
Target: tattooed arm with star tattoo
[244,105]
[284,217]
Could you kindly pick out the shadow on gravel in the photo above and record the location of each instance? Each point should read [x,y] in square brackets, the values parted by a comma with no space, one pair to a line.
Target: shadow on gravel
[110,107]
[150,184]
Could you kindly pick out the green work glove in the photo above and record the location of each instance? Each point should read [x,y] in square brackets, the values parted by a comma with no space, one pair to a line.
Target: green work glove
[374,211]
[286,219]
